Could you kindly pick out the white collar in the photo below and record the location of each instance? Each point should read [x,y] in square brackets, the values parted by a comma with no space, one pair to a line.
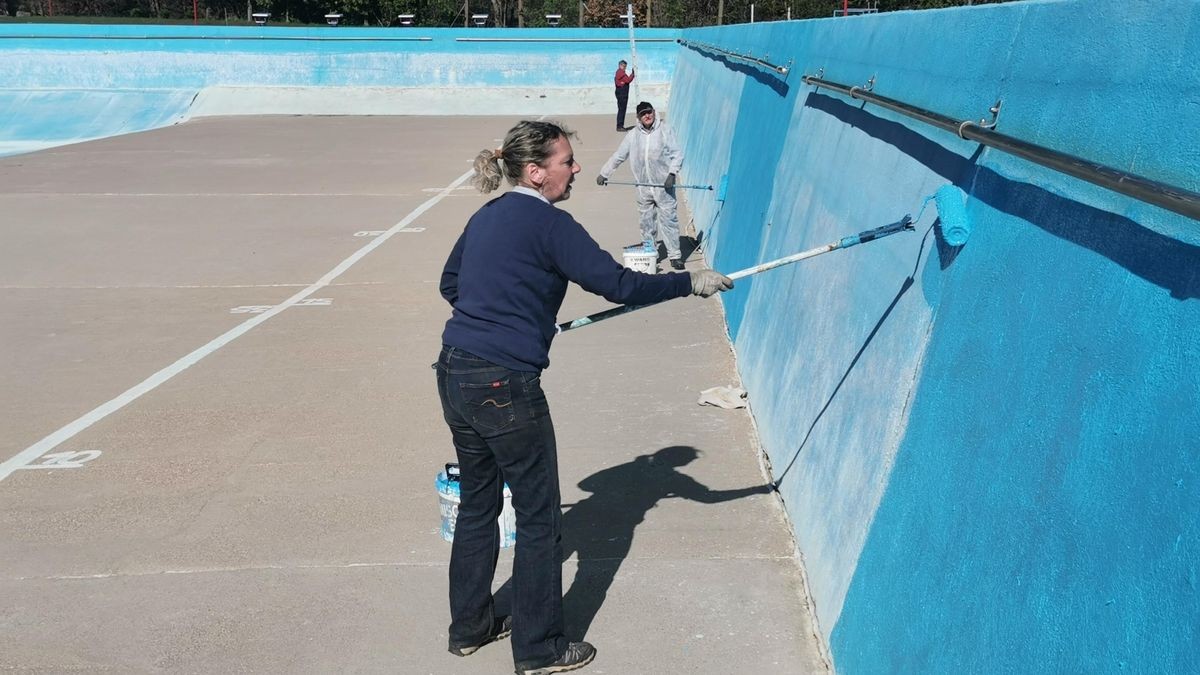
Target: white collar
[654,126]
[531,192]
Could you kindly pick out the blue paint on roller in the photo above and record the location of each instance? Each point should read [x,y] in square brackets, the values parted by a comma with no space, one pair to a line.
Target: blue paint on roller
[956,227]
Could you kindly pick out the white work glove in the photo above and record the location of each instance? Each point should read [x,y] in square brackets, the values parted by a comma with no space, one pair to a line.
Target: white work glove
[601,180]
[708,282]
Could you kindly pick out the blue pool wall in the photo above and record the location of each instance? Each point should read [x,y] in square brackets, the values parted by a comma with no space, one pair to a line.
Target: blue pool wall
[989,454]
[70,82]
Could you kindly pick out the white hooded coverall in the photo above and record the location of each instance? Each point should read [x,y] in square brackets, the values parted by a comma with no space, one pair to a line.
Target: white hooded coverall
[652,153]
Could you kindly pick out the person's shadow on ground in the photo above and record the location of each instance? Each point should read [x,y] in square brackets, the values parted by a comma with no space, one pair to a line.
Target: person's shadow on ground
[599,528]
[687,246]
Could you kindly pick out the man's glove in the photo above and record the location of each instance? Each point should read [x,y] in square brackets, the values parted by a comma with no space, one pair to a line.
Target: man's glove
[708,282]
[601,180]
[669,182]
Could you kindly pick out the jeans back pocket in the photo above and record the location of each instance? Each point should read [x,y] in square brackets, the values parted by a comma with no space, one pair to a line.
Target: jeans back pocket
[489,405]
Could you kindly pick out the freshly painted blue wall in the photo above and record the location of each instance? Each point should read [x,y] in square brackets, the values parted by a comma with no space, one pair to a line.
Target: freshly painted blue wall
[94,77]
[990,455]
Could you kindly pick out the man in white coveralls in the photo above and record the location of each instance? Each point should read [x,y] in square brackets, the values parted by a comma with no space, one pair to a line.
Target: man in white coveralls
[655,157]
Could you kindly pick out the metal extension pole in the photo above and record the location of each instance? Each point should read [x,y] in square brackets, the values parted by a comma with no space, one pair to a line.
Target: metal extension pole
[633,54]
[660,185]
[905,224]
[1170,197]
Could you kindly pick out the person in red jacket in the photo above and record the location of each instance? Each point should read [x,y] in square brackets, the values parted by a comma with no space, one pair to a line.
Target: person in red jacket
[622,80]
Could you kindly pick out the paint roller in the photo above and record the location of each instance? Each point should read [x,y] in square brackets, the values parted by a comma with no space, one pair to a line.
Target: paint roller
[952,212]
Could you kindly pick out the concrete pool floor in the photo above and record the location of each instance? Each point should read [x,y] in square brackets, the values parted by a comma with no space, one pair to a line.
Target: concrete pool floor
[268,504]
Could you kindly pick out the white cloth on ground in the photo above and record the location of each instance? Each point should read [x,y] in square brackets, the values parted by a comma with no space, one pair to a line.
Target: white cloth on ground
[723,397]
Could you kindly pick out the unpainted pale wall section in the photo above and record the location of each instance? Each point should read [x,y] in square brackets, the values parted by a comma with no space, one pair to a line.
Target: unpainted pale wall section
[991,456]
[89,76]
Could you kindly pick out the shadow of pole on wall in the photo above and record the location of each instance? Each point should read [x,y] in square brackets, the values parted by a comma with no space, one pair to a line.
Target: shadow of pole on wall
[908,283]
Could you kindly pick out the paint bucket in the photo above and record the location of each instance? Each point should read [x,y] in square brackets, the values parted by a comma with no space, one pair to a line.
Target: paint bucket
[449,498]
[641,258]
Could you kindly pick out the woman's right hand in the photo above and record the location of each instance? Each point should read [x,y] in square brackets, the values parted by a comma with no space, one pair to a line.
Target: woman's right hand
[709,282]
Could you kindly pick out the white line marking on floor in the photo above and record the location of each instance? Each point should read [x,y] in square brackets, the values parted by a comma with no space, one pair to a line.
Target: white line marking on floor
[33,452]
[213,194]
[64,460]
[463,188]
[259,309]
[180,286]
[573,560]
[250,309]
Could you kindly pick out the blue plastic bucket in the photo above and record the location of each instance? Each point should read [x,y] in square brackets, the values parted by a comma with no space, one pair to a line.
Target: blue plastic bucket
[449,498]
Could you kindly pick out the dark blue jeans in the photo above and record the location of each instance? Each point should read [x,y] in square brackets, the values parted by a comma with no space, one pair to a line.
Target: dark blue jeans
[622,101]
[501,426]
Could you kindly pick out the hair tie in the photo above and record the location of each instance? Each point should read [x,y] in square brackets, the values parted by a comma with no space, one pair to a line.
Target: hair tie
[498,153]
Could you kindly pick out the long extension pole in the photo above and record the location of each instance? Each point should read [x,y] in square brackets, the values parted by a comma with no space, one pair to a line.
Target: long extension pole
[632,51]
[659,185]
[905,224]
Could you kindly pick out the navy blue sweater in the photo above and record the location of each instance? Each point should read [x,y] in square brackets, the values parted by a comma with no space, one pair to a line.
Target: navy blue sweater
[508,273]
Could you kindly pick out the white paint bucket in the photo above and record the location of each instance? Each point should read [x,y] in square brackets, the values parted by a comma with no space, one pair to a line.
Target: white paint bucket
[449,498]
[641,258]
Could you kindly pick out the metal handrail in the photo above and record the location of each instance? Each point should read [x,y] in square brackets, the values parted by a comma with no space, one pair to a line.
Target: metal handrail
[782,70]
[1170,197]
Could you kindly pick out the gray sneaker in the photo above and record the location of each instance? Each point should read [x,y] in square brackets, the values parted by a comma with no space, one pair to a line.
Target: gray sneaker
[578,655]
[501,628]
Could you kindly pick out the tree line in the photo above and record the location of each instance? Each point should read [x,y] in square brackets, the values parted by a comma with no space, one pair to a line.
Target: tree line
[668,13]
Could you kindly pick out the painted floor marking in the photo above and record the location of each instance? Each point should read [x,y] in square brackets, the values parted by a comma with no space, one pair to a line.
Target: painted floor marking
[64,460]
[216,194]
[399,564]
[39,449]
[463,188]
[135,287]
[259,309]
